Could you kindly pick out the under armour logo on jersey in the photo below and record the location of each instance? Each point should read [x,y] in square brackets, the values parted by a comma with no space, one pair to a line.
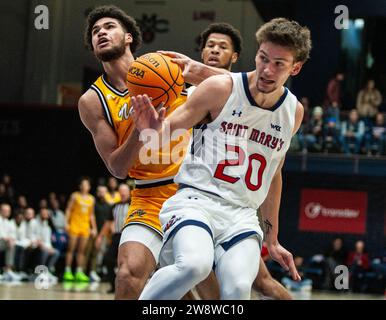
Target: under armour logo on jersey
[276,127]
[235,112]
[110,97]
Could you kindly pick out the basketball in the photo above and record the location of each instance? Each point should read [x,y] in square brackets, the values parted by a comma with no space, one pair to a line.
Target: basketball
[157,76]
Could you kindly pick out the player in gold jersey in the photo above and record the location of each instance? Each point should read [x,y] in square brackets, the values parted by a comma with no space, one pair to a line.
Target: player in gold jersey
[113,37]
[80,224]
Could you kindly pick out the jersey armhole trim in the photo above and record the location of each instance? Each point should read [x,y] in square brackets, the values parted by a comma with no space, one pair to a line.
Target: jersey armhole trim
[104,104]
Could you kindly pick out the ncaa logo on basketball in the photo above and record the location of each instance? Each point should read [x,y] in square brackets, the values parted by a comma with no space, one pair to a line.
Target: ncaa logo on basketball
[313,209]
[137,72]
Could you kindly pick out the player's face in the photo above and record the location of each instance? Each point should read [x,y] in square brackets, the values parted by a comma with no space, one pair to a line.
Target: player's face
[109,39]
[274,64]
[85,186]
[218,51]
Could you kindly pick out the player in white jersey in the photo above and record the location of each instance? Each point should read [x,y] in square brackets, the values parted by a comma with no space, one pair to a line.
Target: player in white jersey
[234,168]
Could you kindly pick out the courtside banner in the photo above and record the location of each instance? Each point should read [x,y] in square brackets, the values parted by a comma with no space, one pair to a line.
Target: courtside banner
[333,211]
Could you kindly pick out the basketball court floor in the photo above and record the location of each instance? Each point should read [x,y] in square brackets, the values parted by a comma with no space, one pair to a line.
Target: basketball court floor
[95,291]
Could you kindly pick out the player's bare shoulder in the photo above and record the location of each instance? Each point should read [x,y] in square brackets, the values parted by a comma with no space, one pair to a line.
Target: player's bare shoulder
[90,108]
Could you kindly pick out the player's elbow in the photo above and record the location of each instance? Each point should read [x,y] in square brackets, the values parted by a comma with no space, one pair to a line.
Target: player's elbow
[118,173]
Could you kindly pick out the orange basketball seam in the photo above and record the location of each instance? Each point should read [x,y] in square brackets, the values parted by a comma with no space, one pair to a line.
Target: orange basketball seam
[171,75]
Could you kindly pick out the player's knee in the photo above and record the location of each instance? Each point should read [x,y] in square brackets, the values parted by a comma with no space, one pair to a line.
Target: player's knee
[236,290]
[194,267]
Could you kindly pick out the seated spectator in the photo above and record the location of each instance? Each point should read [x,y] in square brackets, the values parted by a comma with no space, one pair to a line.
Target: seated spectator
[3,193]
[21,205]
[368,101]
[48,255]
[59,235]
[335,255]
[352,133]
[9,189]
[358,263]
[7,242]
[21,241]
[304,284]
[32,233]
[314,134]
[375,139]
[331,136]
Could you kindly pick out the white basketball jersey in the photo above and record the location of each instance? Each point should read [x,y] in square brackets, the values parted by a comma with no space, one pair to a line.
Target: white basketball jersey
[236,155]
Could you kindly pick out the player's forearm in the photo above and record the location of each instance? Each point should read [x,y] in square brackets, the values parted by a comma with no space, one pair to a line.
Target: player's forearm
[123,158]
[270,210]
[200,72]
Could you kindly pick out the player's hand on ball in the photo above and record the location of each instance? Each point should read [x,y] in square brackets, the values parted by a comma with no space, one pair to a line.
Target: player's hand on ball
[284,258]
[182,60]
[145,115]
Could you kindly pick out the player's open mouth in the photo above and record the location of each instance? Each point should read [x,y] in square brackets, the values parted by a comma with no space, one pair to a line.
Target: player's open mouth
[266,81]
[102,42]
[213,60]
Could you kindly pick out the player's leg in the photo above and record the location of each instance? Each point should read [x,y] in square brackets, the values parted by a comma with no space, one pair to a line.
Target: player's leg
[193,254]
[137,259]
[80,259]
[268,286]
[72,242]
[209,288]
[237,268]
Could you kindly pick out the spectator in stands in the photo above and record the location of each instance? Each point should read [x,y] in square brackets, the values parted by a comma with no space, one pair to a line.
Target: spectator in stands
[3,193]
[9,189]
[352,133]
[358,263]
[21,205]
[113,225]
[331,135]
[7,242]
[314,135]
[43,203]
[304,284]
[112,195]
[21,241]
[32,233]
[334,91]
[48,254]
[375,139]
[368,101]
[335,255]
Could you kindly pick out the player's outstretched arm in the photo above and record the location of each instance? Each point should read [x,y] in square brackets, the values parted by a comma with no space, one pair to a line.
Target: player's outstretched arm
[118,159]
[270,216]
[207,100]
[194,72]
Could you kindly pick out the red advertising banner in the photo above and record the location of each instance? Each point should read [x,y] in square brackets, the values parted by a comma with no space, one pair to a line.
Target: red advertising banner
[333,211]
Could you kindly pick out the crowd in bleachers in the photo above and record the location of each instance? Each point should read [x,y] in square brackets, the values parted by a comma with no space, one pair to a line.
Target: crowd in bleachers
[325,271]
[334,128]
[31,237]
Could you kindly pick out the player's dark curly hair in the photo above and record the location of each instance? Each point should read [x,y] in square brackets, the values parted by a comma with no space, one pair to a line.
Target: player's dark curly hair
[288,34]
[223,28]
[128,23]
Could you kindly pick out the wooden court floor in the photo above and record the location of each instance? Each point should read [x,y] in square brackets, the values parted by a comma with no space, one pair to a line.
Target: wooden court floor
[94,291]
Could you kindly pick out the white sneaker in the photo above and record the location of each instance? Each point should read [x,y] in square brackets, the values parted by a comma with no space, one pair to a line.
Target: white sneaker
[11,276]
[94,277]
[52,279]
